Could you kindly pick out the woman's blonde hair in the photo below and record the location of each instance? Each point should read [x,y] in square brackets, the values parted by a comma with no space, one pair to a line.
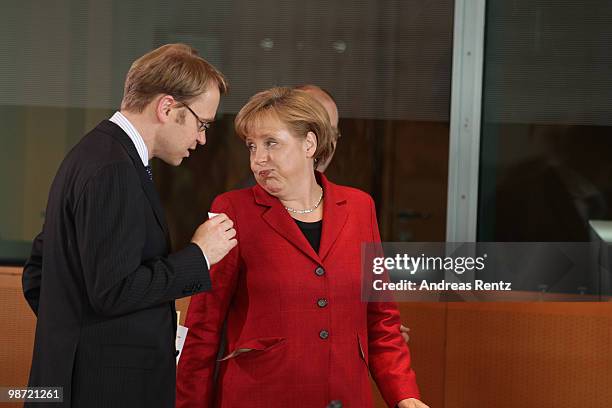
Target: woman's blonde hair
[297,110]
[172,69]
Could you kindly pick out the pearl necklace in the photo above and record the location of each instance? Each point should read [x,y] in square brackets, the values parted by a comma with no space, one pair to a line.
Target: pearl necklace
[308,210]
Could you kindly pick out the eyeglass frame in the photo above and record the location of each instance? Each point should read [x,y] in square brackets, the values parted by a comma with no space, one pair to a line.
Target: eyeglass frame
[203,125]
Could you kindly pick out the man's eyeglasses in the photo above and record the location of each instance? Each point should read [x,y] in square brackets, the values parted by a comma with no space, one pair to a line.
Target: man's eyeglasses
[203,125]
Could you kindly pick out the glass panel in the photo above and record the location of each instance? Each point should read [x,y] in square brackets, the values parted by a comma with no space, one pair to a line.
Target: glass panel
[386,63]
[546,135]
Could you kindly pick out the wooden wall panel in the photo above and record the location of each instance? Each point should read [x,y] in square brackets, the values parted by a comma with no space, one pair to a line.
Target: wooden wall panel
[529,355]
[17,323]
[465,354]
[181,306]
[427,323]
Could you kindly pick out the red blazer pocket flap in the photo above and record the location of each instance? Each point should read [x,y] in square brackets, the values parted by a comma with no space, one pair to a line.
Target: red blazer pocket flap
[259,344]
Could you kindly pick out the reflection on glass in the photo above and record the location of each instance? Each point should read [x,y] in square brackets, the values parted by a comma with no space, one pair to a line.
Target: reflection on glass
[546,136]
[560,179]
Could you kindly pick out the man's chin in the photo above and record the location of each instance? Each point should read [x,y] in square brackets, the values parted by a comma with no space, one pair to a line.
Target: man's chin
[173,162]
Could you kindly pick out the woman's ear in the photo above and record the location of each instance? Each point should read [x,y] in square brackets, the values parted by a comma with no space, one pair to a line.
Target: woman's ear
[163,107]
[310,144]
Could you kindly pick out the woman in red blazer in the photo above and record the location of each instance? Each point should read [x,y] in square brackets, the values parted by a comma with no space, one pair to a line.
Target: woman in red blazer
[298,333]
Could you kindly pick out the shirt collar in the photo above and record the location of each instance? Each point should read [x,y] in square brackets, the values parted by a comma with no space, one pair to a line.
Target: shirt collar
[123,122]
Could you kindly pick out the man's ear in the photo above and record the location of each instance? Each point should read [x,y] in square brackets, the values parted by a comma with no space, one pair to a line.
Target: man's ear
[310,144]
[163,106]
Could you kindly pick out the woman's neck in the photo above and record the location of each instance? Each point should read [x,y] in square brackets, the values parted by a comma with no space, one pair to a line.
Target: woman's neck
[305,196]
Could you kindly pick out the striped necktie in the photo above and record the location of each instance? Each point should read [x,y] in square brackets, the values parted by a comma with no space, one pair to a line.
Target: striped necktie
[149,172]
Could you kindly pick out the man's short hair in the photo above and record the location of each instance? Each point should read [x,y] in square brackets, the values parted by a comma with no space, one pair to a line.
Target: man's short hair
[311,87]
[298,110]
[172,69]
[322,94]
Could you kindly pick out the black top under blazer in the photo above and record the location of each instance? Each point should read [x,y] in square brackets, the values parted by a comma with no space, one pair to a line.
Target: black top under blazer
[102,282]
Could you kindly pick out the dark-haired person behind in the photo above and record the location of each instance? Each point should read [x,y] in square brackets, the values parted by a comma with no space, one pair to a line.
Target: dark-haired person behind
[100,277]
[298,334]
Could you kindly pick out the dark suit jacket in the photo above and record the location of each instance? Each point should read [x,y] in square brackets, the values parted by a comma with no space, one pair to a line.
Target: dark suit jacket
[102,283]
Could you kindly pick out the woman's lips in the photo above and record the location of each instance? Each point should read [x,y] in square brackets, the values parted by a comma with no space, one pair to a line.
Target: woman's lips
[264,173]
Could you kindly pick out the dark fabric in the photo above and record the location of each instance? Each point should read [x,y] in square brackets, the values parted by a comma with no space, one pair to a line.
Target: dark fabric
[312,232]
[102,282]
[535,205]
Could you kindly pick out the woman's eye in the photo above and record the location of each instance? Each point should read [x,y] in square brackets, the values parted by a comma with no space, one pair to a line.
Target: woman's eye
[270,143]
[251,147]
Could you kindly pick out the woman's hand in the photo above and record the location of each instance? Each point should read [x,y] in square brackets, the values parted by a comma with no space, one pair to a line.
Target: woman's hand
[411,403]
[405,333]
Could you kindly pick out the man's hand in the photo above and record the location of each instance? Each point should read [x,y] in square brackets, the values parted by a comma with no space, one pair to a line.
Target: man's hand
[215,237]
[404,331]
[411,403]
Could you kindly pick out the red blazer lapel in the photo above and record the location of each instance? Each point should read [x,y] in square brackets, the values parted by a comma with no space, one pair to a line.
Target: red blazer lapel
[280,221]
[335,214]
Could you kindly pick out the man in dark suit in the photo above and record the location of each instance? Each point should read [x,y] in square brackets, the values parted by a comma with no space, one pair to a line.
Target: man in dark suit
[100,277]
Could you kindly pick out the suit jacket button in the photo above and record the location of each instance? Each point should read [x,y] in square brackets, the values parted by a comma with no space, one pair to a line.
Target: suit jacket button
[176,353]
[323,334]
[319,271]
[322,302]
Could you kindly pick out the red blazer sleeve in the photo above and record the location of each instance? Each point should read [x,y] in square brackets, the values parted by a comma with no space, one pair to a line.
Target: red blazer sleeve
[388,354]
[205,317]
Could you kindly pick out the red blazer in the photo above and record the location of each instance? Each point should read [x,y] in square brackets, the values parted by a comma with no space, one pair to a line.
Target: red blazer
[298,334]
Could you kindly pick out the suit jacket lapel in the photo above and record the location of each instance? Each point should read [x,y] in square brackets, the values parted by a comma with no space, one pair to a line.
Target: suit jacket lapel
[334,219]
[335,214]
[147,185]
[280,221]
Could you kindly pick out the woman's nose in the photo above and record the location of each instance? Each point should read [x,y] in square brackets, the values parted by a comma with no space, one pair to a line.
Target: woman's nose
[260,156]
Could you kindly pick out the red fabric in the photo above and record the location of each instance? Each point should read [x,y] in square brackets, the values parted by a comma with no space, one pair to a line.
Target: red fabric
[268,290]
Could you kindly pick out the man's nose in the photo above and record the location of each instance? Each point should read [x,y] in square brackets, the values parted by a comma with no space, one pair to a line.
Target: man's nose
[201,138]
